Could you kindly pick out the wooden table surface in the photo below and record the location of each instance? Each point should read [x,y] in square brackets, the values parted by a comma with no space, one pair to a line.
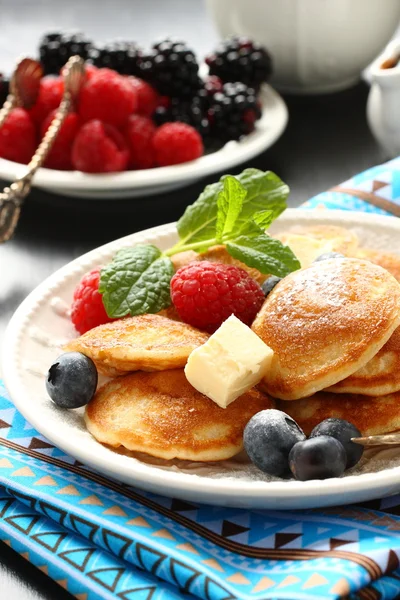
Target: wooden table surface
[326,141]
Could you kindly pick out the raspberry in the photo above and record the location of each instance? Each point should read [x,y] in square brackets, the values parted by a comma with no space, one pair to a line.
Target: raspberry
[87,309]
[139,135]
[146,95]
[50,95]
[18,137]
[99,148]
[109,97]
[176,143]
[60,153]
[205,294]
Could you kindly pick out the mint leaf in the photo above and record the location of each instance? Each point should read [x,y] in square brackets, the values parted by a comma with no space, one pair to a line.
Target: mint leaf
[197,226]
[264,253]
[229,206]
[137,281]
[264,218]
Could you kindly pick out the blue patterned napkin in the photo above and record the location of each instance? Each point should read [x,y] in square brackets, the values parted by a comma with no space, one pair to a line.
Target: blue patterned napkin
[100,539]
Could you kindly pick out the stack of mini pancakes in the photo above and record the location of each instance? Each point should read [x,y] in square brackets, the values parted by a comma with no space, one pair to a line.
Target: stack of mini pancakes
[333,326]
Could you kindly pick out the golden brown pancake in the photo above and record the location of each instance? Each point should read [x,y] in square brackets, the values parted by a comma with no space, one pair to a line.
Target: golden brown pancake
[145,342]
[380,376]
[335,239]
[388,261]
[215,254]
[370,414]
[326,322]
[163,415]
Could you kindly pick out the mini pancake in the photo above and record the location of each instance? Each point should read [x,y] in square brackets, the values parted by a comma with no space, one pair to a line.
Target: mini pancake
[161,414]
[380,376]
[217,254]
[372,415]
[325,238]
[145,342]
[324,323]
[388,261]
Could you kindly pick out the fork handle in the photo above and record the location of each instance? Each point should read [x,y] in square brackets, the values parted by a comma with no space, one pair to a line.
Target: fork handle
[9,104]
[13,196]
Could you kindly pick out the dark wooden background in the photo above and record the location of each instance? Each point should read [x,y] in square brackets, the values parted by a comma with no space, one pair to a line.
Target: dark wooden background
[327,140]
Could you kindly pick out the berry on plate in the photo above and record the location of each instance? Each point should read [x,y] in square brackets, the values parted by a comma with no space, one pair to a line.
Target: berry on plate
[172,68]
[59,156]
[109,97]
[206,293]
[343,431]
[72,380]
[18,137]
[270,283]
[87,309]
[99,148]
[176,143]
[139,134]
[240,59]
[122,57]
[146,95]
[234,111]
[194,112]
[50,95]
[320,457]
[268,438]
[56,48]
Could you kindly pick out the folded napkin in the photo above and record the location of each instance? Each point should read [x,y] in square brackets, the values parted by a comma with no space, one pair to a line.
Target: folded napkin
[98,538]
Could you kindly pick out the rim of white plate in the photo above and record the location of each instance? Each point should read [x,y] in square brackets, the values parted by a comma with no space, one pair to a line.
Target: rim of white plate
[269,128]
[144,473]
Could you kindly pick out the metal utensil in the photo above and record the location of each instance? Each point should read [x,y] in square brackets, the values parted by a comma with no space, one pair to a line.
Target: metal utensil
[24,87]
[387,439]
[12,197]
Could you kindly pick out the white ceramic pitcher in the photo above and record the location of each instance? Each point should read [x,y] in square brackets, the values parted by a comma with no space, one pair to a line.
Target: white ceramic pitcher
[383,106]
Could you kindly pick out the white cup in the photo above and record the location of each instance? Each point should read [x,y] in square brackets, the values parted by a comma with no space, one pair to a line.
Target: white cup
[317,46]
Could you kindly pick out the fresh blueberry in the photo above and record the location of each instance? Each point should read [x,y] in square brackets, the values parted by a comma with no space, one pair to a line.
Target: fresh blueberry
[328,255]
[71,381]
[343,431]
[268,438]
[269,284]
[317,458]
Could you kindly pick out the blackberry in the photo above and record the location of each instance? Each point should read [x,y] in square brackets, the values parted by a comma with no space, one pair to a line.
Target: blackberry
[123,57]
[4,88]
[240,59]
[56,48]
[234,111]
[191,112]
[171,67]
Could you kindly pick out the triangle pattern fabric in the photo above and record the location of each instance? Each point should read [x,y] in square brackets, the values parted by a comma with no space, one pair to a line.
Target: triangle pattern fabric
[108,577]
[84,527]
[281,539]
[182,574]
[116,543]
[78,558]
[215,591]
[54,513]
[37,443]
[149,559]
[229,529]
[142,593]
[23,523]
[50,540]
[181,505]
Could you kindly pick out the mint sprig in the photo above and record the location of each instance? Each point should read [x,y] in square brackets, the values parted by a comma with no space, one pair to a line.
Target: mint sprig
[235,212]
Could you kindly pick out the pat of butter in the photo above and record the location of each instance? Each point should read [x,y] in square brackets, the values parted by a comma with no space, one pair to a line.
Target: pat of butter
[233,360]
[306,249]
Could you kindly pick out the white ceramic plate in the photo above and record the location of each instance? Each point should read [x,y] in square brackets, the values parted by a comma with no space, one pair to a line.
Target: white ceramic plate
[40,326]
[146,182]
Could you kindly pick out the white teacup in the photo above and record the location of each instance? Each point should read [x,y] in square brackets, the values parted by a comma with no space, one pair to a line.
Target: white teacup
[317,45]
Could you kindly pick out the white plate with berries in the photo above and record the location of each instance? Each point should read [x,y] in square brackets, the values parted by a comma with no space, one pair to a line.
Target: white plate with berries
[139,182]
[236,213]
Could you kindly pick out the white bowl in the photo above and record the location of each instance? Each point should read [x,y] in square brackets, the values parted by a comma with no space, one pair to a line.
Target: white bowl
[40,325]
[130,184]
[317,45]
